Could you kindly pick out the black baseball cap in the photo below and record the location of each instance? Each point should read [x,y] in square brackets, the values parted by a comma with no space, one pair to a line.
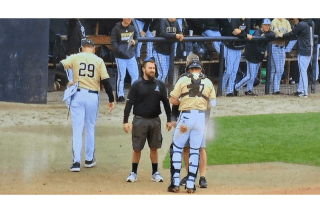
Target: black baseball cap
[195,64]
[87,42]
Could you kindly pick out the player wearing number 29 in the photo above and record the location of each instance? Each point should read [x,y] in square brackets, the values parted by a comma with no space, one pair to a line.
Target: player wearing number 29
[89,70]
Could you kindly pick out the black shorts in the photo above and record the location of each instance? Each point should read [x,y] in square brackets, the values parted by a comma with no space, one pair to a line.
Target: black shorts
[146,128]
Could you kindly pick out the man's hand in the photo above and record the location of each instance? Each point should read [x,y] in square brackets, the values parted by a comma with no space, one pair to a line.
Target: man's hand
[236,31]
[143,34]
[70,83]
[110,106]
[280,35]
[169,126]
[249,37]
[127,127]
[133,42]
[183,128]
[174,124]
[179,37]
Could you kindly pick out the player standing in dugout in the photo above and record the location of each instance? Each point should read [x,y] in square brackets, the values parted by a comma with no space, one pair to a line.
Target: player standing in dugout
[145,95]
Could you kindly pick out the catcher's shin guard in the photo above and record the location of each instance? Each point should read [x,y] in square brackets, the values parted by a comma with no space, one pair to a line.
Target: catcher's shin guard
[194,157]
[175,164]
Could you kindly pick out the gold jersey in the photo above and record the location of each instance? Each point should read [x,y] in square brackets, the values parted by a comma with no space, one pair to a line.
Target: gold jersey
[87,68]
[206,88]
[278,27]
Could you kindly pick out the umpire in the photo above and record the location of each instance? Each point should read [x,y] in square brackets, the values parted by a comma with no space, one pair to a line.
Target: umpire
[145,95]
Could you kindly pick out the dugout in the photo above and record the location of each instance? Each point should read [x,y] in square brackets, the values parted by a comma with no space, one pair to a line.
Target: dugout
[24,60]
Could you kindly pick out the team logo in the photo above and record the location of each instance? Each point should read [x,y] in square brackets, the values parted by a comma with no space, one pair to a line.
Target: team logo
[157,89]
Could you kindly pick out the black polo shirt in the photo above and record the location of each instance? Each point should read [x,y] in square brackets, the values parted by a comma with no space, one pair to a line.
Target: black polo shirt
[145,97]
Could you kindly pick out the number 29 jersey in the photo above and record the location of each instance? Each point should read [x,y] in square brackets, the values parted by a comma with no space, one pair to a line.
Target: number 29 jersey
[87,68]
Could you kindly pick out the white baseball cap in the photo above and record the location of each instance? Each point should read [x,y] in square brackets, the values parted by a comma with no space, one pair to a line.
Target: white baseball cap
[266,21]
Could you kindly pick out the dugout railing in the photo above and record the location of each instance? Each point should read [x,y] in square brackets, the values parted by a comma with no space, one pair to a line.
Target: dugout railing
[172,74]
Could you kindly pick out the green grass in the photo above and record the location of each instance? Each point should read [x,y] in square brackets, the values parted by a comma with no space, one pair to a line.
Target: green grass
[290,138]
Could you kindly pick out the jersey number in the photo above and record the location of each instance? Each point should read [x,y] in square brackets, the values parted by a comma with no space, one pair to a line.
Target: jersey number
[90,69]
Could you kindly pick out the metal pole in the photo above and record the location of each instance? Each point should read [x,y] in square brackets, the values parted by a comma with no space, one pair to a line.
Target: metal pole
[221,67]
[314,64]
[268,69]
[171,67]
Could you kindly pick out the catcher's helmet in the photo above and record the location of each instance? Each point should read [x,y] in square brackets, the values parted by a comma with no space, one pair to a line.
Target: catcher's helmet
[194,64]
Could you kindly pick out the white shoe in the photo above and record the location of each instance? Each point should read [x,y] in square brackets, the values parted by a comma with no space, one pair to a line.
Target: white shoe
[156,177]
[132,177]
[301,95]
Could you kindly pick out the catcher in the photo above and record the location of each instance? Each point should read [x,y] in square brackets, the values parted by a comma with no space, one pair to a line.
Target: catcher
[196,94]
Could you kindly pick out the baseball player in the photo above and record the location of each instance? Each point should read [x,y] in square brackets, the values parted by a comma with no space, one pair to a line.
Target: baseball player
[255,52]
[168,28]
[144,31]
[196,93]
[89,70]
[303,32]
[279,26]
[238,28]
[145,95]
[124,44]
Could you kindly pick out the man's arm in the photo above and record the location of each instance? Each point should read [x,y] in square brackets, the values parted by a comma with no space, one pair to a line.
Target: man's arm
[294,32]
[114,38]
[107,86]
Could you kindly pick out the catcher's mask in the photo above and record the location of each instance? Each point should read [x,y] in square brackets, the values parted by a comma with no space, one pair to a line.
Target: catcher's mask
[194,64]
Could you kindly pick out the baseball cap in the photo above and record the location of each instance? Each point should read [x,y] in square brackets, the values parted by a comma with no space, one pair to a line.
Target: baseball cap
[266,21]
[87,42]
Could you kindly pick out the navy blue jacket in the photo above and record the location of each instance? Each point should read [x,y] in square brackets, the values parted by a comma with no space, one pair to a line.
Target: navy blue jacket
[303,32]
[244,26]
[167,29]
[255,49]
[119,41]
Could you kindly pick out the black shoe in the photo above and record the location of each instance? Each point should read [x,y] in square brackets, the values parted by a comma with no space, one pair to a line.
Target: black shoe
[91,163]
[250,93]
[277,93]
[203,182]
[191,190]
[75,167]
[173,188]
[183,182]
[230,95]
[121,99]
[297,94]
[235,91]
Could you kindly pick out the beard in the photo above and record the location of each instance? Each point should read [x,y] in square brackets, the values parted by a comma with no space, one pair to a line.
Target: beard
[150,76]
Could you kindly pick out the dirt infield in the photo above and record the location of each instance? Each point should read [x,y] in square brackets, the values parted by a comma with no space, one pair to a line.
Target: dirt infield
[36,153]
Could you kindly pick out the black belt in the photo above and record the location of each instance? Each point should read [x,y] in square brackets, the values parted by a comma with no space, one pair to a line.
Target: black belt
[279,46]
[137,116]
[188,111]
[89,91]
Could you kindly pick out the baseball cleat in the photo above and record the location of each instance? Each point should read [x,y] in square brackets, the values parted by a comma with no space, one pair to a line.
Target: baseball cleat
[203,182]
[156,177]
[121,99]
[191,190]
[297,93]
[91,163]
[230,95]
[75,167]
[183,182]
[173,188]
[250,93]
[302,95]
[132,177]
